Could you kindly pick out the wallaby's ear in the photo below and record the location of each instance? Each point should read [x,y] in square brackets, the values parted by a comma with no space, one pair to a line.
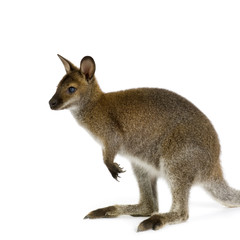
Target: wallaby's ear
[87,67]
[67,64]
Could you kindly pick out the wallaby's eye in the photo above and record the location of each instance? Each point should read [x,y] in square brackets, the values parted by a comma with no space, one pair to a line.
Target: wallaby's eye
[71,89]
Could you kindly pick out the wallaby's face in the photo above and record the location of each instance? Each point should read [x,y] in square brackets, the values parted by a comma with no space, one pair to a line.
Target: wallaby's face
[75,87]
[69,91]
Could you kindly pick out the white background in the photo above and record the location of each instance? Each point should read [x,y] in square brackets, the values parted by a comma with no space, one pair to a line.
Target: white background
[51,170]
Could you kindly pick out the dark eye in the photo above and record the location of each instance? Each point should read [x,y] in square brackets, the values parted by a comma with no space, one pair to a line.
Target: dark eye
[71,89]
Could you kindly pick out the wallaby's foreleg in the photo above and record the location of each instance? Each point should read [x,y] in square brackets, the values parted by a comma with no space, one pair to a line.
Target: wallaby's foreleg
[177,214]
[109,152]
[147,205]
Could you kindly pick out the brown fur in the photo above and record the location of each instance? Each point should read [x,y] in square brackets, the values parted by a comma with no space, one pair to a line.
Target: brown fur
[161,132]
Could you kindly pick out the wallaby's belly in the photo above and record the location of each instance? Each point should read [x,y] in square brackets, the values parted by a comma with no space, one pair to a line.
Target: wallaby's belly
[156,170]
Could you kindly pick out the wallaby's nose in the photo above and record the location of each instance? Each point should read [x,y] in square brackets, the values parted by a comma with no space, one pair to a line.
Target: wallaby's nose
[53,103]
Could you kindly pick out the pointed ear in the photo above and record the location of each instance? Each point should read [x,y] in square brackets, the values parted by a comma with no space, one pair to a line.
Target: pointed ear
[67,64]
[87,67]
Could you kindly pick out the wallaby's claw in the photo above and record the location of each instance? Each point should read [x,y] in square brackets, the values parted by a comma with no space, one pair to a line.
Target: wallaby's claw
[115,169]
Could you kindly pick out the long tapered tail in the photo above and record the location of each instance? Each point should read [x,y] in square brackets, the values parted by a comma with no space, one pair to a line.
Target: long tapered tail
[223,193]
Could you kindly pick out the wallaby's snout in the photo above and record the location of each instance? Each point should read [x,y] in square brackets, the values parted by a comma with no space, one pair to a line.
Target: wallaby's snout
[55,102]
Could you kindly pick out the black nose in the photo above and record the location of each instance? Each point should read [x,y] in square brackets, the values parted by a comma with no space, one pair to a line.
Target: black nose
[53,103]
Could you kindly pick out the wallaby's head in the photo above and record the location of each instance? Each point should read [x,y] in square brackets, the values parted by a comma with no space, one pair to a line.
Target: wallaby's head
[76,87]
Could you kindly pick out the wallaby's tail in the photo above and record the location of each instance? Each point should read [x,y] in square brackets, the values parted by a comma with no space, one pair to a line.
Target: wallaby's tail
[224,194]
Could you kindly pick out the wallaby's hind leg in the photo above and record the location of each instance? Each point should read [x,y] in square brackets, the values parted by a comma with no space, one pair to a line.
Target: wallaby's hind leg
[148,202]
[177,214]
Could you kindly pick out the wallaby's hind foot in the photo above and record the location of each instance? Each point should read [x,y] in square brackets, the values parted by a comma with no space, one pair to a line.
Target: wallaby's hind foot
[157,221]
[154,223]
[107,212]
[136,210]
[148,203]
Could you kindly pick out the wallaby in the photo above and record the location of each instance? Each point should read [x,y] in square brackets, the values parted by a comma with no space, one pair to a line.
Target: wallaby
[162,133]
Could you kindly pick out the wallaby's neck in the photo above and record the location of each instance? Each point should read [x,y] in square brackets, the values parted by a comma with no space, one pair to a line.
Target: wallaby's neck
[87,102]
[96,92]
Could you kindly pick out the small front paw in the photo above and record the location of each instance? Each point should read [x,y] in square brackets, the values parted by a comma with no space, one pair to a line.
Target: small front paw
[107,212]
[115,169]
